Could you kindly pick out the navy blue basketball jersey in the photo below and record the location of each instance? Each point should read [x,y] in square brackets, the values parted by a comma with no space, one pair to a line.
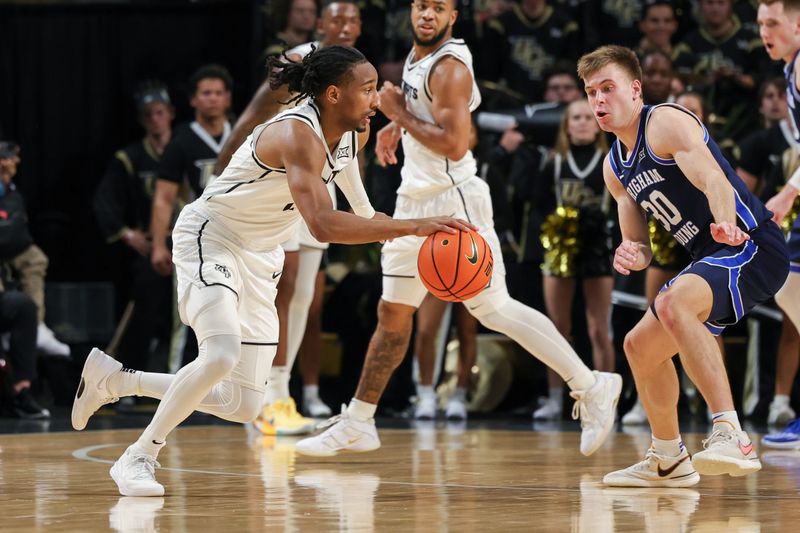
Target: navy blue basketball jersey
[664,191]
[792,95]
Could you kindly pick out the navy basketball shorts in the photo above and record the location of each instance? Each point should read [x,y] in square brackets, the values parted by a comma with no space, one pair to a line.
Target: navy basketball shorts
[794,246]
[742,277]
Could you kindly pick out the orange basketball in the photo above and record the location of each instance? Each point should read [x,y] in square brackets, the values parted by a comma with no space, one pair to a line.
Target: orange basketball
[455,267]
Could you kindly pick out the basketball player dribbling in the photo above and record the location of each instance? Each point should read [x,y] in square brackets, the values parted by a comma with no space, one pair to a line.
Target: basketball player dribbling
[227,254]
[664,163]
[431,113]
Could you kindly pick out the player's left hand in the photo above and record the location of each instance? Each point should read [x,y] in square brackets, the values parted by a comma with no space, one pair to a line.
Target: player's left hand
[392,101]
[728,233]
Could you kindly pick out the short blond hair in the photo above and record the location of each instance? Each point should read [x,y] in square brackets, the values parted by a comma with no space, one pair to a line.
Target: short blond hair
[788,5]
[612,54]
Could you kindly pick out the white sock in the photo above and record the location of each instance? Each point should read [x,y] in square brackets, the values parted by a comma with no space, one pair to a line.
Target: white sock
[124,382]
[725,420]
[310,392]
[781,399]
[277,384]
[538,335]
[669,447]
[460,394]
[146,448]
[361,411]
[425,391]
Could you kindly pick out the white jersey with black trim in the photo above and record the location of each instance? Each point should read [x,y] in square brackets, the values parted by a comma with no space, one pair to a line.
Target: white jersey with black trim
[425,172]
[253,200]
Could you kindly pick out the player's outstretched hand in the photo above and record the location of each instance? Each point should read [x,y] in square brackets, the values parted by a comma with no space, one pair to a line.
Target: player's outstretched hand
[727,233]
[426,226]
[627,257]
[392,101]
[386,144]
[781,203]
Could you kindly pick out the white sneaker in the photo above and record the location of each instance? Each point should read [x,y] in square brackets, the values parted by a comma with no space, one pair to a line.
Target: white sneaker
[597,410]
[550,410]
[636,416]
[92,391]
[656,471]
[456,409]
[135,475]
[727,451]
[47,342]
[780,412]
[316,408]
[426,407]
[344,434]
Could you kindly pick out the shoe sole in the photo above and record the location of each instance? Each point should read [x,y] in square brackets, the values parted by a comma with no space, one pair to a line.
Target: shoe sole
[688,481]
[157,491]
[720,465]
[616,388]
[94,355]
[781,445]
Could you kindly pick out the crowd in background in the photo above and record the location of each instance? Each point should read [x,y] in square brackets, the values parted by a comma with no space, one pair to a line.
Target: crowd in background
[538,147]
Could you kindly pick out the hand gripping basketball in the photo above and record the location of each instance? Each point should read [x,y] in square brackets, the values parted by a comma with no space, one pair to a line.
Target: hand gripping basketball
[455,267]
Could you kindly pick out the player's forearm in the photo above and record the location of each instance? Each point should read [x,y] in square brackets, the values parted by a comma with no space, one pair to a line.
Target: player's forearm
[450,144]
[345,228]
[721,199]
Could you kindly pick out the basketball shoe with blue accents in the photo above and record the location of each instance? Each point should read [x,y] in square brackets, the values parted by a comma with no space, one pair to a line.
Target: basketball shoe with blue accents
[788,439]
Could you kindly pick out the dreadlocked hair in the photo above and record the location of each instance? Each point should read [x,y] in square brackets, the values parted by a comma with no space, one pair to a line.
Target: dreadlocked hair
[318,70]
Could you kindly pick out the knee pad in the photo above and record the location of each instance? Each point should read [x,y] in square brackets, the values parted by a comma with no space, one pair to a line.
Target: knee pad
[253,368]
[220,352]
[233,402]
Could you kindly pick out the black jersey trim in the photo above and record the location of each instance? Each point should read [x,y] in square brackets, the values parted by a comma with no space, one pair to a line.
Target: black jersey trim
[200,254]
[246,182]
[247,343]
[398,276]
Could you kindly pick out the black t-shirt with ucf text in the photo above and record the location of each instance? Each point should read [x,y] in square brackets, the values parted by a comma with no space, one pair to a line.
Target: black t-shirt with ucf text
[520,50]
[190,156]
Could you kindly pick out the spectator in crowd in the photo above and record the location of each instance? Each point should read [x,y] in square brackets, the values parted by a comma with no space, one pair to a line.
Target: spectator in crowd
[760,153]
[611,21]
[561,84]
[26,263]
[723,60]
[299,19]
[576,240]
[520,46]
[658,25]
[18,310]
[123,204]
[657,77]
[188,161]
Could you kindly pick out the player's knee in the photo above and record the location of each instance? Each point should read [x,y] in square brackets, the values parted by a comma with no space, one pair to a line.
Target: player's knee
[632,346]
[394,316]
[222,353]
[666,305]
[598,333]
[250,406]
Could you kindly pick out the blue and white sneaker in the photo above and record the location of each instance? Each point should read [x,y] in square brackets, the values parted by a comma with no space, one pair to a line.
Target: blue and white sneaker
[788,439]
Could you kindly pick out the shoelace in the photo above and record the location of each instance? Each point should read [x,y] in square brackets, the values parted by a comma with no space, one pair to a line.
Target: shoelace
[334,419]
[580,409]
[719,436]
[145,467]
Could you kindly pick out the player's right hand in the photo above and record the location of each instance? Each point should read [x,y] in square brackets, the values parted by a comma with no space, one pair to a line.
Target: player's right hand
[161,260]
[386,144]
[627,257]
[781,203]
[426,226]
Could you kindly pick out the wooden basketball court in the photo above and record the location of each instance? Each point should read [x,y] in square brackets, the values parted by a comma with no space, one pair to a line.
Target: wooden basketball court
[434,478]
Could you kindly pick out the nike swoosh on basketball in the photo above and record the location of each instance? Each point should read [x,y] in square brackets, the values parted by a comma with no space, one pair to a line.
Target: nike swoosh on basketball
[474,257]
[746,449]
[671,469]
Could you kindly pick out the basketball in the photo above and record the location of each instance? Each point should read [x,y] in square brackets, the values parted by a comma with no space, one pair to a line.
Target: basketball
[455,267]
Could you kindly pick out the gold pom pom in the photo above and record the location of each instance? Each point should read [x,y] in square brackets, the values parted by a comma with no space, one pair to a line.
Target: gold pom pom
[662,243]
[560,242]
[791,216]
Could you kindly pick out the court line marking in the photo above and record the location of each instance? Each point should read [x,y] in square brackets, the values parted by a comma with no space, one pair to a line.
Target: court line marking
[83,454]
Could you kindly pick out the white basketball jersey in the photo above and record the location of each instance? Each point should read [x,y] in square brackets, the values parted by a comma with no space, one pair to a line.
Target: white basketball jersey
[425,172]
[253,199]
